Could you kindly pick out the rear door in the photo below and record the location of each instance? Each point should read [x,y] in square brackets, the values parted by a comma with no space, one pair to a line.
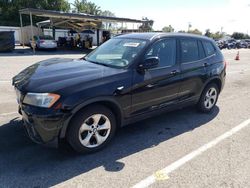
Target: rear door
[157,87]
[193,64]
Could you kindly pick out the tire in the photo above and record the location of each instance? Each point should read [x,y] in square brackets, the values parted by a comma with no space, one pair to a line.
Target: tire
[91,129]
[208,98]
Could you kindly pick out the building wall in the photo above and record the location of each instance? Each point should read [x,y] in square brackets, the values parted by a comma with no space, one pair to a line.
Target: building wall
[59,33]
[64,33]
[16,30]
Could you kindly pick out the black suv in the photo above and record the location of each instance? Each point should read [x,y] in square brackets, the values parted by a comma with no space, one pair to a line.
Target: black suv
[129,78]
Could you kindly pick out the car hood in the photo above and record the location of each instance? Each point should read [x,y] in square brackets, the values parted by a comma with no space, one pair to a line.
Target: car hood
[53,75]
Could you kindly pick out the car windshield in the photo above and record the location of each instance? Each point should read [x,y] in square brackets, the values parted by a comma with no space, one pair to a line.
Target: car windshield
[117,52]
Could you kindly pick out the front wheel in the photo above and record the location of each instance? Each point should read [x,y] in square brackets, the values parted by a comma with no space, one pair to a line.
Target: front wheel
[91,129]
[208,98]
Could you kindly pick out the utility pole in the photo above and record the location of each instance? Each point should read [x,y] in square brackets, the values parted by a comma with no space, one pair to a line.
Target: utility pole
[221,29]
[189,26]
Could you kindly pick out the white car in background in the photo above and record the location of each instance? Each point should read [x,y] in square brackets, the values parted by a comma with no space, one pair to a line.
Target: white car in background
[44,42]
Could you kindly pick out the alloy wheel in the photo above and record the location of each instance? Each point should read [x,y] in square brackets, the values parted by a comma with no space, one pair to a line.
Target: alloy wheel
[94,131]
[210,98]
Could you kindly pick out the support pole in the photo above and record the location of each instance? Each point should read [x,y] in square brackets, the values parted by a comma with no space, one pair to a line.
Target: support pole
[98,37]
[21,22]
[53,29]
[54,32]
[32,33]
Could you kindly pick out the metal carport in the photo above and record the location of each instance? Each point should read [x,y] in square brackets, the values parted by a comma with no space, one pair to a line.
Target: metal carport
[76,21]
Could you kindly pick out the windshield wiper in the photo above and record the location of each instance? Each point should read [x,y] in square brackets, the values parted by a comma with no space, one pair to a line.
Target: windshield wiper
[95,62]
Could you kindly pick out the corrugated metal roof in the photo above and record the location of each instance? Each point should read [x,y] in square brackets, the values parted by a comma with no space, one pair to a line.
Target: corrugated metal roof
[76,16]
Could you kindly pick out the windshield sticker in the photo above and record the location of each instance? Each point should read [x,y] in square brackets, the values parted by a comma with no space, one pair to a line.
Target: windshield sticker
[109,56]
[131,44]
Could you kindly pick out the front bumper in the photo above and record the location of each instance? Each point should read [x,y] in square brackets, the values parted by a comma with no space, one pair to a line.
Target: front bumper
[43,126]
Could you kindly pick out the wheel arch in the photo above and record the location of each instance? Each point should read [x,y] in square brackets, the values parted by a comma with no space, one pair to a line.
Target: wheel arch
[107,102]
[215,80]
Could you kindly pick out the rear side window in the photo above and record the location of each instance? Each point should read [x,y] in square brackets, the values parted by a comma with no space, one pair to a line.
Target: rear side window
[189,50]
[209,48]
[202,54]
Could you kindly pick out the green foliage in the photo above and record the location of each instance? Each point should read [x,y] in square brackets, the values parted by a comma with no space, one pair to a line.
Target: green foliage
[87,7]
[237,35]
[168,29]
[9,15]
[217,35]
[107,13]
[147,25]
[60,5]
[108,25]
[195,31]
[208,33]
[9,9]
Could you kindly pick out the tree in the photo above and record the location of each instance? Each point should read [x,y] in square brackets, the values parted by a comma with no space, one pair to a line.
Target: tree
[108,25]
[10,9]
[79,5]
[93,9]
[168,29]
[208,33]
[87,7]
[217,35]
[60,5]
[237,35]
[195,31]
[147,25]
[107,13]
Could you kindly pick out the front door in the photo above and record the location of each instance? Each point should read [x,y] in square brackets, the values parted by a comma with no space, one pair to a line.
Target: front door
[158,87]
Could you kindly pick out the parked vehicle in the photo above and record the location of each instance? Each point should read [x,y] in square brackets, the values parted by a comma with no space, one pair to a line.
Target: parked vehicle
[246,43]
[44,42]
[7,41]
[231,44]
[127,79]
[221,44]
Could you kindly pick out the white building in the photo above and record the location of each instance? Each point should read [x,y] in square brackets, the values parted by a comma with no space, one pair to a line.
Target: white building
[58,33]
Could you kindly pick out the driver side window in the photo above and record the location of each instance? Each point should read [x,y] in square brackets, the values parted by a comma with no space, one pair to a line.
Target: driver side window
[165,50]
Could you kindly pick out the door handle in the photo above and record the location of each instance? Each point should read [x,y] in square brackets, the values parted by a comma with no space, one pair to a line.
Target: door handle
[174,72]
[150,85]
[205,64]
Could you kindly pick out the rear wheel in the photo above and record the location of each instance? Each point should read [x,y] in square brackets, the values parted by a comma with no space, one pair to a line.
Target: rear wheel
[91,129]
[208,98]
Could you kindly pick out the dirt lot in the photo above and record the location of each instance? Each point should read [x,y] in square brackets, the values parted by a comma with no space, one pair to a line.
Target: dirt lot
[169,141]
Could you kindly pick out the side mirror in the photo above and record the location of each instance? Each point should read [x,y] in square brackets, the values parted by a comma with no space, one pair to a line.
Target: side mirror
[149,63]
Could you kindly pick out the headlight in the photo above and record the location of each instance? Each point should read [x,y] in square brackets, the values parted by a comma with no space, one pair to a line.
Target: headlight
[45,100]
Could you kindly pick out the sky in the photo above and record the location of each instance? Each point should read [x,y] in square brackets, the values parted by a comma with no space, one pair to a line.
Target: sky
[216,15]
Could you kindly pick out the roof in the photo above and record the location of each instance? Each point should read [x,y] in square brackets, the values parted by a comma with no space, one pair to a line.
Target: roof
[154,35]
[75,16]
